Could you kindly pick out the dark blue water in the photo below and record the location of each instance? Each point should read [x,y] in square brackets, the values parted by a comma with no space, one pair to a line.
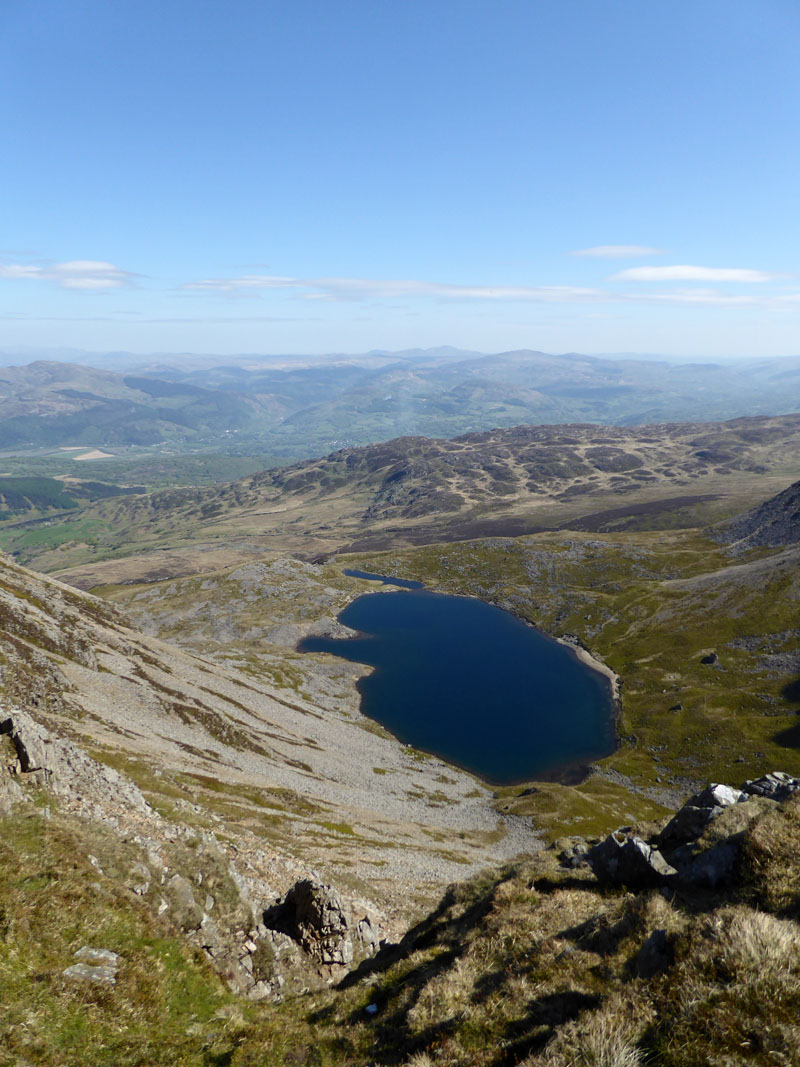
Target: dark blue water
[464,680]
[404,583]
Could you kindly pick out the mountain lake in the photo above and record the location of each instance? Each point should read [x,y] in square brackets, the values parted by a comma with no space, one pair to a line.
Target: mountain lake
[474,685]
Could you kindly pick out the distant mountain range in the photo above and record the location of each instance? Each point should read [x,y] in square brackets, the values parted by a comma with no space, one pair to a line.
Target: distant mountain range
[65,404]
[304,406]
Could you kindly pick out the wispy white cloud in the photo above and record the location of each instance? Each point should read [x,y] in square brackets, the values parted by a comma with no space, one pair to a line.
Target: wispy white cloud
[688,273]
[379,289]
[709,297]
[618,251]
[352,290]
[74,274]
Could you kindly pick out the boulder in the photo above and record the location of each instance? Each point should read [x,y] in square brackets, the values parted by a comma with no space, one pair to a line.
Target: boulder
[691,821]
[778,785]
[185,911]
[313,915]
[625,859]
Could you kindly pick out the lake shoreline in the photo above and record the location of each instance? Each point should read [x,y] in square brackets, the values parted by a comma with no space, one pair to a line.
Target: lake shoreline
[372,622]
[595,664]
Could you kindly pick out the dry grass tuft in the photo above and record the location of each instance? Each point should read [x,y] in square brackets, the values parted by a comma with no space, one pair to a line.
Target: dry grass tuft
[604,1038]
[757,946]
[768,867]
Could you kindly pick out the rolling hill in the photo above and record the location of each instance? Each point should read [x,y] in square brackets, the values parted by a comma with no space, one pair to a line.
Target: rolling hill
[420,491]
[301,406]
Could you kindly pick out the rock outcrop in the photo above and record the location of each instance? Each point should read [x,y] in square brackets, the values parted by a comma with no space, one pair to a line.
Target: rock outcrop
[314,915]
[698,848]
[625,858]
[61,767]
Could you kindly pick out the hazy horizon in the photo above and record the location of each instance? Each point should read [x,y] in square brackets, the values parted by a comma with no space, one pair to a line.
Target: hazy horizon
[21,355]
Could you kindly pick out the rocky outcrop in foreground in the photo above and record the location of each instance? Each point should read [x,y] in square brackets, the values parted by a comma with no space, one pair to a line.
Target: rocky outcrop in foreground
[262,948]
[698,848]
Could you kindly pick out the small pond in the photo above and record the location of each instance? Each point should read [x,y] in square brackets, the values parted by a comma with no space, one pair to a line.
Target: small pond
[474,685]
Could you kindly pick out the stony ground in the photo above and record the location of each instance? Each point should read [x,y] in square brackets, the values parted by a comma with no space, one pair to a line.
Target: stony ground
[294,776]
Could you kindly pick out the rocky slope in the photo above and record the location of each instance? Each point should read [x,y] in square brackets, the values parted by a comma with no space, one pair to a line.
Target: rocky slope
[773,523]
[293,781]
[669,944]
[595,953]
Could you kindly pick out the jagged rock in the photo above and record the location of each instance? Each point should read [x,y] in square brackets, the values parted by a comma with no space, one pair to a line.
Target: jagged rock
[775,786]
[10,791]
[368,935]
[704,842]
[314,915]
[628,860]
[65,769]
[691,821]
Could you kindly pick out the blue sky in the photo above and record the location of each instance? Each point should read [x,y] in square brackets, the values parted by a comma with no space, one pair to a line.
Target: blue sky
[313,177]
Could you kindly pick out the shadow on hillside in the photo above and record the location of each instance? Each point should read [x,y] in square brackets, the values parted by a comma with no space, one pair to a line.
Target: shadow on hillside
[394,1040]
[449,930]
[533,1031]
[790,737]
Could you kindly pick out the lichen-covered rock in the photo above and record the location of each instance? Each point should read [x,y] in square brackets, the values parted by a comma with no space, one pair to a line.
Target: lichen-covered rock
[628,860]
[95,965]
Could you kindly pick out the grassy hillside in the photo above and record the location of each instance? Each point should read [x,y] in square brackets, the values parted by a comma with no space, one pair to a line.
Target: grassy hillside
[418,491]
[534,964]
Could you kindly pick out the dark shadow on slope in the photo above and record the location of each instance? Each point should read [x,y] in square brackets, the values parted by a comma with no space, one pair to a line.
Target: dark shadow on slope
[790,737]
[791,691]
[394,1041]
[538,1026]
